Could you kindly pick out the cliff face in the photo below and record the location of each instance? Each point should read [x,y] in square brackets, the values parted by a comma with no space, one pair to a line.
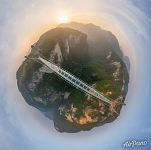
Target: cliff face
[59,46]
[98,39]
[87,55]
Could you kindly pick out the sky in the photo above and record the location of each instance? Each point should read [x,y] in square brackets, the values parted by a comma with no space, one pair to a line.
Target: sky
[23,21]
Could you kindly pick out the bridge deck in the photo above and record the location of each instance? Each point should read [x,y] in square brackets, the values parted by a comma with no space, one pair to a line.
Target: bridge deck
[75,81]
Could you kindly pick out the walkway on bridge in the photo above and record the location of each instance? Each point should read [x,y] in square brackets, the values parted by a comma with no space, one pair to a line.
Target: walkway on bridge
[74,80]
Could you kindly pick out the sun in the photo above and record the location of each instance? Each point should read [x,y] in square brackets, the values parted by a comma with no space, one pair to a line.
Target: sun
[63,19]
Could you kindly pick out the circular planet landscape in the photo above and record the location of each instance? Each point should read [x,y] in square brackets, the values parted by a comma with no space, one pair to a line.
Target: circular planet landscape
[92,55]
[103,43]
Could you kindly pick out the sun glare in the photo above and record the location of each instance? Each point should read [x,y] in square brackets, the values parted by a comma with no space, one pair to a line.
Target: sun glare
[63,19]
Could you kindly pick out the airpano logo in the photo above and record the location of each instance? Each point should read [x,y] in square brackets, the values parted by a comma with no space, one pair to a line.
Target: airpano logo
[135,143]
